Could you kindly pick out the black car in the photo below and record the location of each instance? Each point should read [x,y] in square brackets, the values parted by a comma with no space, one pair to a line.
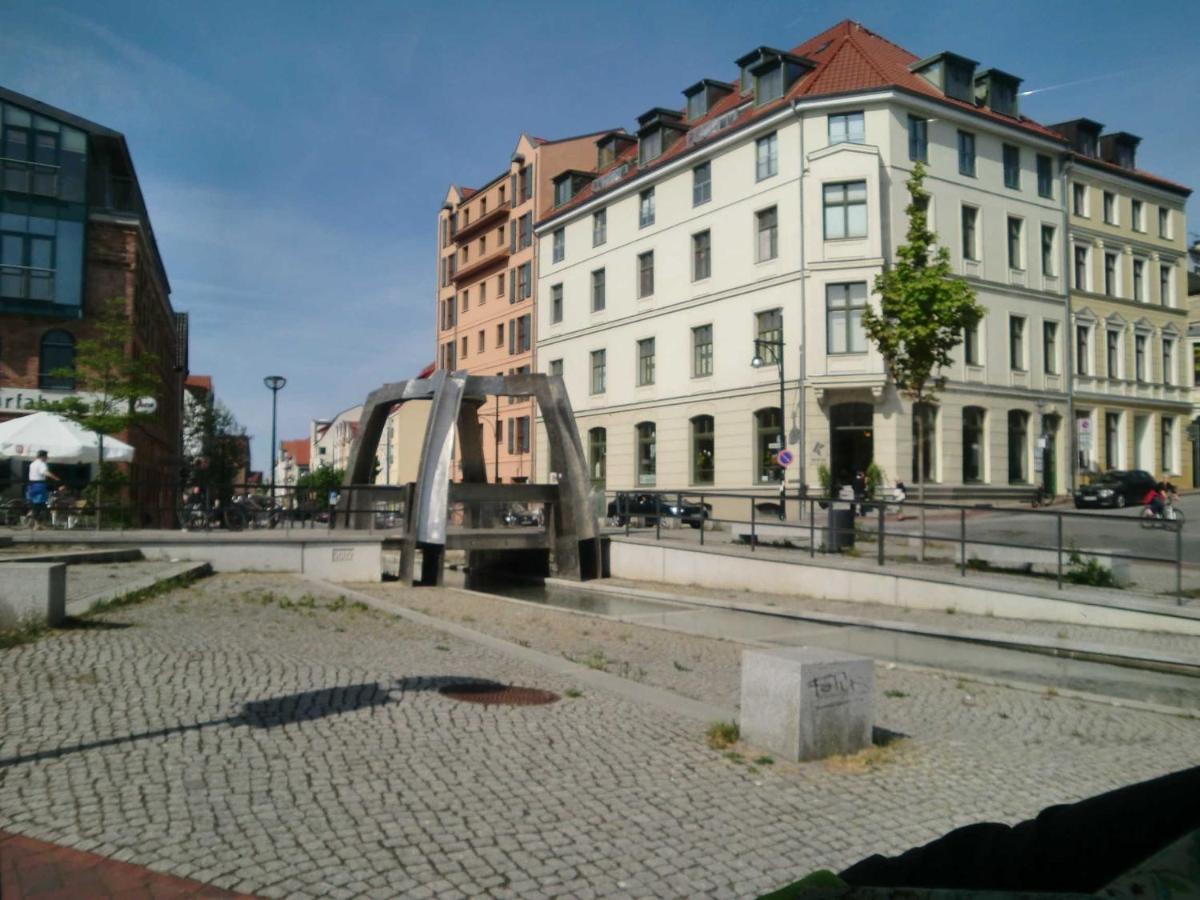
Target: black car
[1117,488]
[649,507]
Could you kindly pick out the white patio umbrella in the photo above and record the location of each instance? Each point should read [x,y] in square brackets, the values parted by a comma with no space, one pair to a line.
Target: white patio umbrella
[63,440]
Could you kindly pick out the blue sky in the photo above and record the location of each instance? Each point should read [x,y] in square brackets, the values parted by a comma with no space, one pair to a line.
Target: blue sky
[294,153]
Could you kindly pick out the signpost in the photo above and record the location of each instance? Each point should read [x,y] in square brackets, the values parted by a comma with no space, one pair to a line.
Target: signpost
[784,458]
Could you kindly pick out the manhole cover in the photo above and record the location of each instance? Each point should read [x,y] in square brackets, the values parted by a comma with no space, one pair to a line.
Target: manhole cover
[492,693]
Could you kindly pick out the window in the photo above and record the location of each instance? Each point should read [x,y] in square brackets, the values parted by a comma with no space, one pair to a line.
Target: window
[703,450]
[556,367]
[556,304]
[1012,167]
[970,234]
[971,345]
[1139,357]
[1137,215]
[768,85]
[1016,255]
[1112,352]
[500,334]
[1079,199]
[1018,447]
[1045,176]
[479,342]
[525,231]
[845,210]
[1167,444]
[27,260]
[562,191]
[524,282]
[847,128]
[1016,343]
[647,452]
[599,371]
[57,352]
[524,333]
[599,227]
[1112,440]
[1081,261]
[701,255]
[1168,361]
[518,435]
[701,184]
[1110,208]
[646,208]
[966,153]
[768,428]
[526,182]
[1048,267]
[974,441]
[924,441]
[1139,280]
[1164,284]
[1050,348]
[702,350]
[560,244]
[650,146]
[766,156]
[500,285]
[645,274]
[1110,274]
[1164,222]
[598,298]
[767,245]
[769,332]
[463,352]
[645,372]
[844,307]
[697,104]
[598,454]
[1083,349]
[482,293]
[466,298]
[918,139]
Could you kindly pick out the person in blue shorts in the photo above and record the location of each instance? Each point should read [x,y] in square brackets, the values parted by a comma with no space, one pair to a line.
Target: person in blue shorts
[37,492]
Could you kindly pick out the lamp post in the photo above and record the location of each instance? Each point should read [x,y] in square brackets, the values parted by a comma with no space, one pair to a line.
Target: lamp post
[757,362]
[275,384]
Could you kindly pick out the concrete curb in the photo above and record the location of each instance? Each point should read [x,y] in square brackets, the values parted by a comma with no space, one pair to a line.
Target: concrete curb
[613,684]
[72,557]
[1084,650]
[83,605]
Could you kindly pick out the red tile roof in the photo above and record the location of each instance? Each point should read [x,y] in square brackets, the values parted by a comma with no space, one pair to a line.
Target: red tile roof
[849,58]
[202,382]
[299,450]
[1137,174]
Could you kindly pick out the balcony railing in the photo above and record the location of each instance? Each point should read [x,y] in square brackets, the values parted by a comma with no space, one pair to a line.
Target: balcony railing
[481,264]
[489,219]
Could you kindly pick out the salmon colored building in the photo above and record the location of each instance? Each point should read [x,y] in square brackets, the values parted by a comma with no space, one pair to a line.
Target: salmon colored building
[487,284]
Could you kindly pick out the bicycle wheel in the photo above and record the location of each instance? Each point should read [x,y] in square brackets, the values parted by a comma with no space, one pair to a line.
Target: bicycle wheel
[234,518]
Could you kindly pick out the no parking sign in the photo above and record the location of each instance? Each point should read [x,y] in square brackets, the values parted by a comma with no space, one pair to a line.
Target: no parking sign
[784,458]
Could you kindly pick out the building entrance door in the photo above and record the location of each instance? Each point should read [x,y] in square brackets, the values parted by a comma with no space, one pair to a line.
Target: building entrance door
[1050,424]
[851,440]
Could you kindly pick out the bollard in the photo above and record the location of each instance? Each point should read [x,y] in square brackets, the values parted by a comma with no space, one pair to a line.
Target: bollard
[1058,520]
[812,529]
[962,541]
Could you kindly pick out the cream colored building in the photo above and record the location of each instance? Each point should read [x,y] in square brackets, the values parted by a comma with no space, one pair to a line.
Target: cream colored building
[1128,256]
[763,211]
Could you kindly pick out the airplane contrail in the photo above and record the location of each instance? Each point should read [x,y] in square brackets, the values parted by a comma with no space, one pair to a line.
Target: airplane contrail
[1055,87]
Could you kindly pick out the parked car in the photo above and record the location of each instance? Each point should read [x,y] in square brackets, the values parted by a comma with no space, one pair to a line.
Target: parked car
[649,507]
[1117,488]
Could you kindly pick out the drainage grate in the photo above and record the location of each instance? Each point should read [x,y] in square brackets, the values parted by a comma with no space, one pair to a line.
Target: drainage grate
[492,693]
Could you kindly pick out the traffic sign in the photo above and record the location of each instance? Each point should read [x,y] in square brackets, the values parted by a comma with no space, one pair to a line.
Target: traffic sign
[785,458]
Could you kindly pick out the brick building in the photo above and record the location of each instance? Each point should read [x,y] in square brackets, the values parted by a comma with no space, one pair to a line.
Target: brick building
[75,234]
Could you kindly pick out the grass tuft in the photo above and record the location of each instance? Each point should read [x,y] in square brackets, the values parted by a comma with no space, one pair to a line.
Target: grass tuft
[573,693]
[721,735]
[870,759]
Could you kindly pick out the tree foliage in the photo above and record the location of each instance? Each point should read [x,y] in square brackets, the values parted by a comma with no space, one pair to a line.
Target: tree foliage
[214,446]
[322,479]
[111,375]
[924,308]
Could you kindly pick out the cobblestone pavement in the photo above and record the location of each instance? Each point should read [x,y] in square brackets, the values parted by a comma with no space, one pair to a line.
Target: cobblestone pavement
[88,579]
[249,735]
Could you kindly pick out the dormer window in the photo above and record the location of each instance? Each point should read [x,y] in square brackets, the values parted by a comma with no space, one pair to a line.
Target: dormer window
[997,91]
[609,147]
[702,96]
[567,184]
[774,72]
[1120,148]
[950,73]
[1083,135]
[650,147]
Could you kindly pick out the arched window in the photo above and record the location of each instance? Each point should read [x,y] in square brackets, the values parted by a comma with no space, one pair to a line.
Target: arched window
[703,450]
[974,441]
[1018,447]
[598,454]
[924,429]
[647,453]
[57,352]
[768,430]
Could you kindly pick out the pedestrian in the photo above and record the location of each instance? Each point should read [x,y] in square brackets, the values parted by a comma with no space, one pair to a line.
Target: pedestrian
[37,492]
[901,494]
[860,492]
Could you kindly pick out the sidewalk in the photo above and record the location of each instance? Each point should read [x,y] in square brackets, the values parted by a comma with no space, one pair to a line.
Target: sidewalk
[35,870]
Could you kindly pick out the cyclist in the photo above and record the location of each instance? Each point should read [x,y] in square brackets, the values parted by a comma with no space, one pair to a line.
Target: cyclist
[1156,500]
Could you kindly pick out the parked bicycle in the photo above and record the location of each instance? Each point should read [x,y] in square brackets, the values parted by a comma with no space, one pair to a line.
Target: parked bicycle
[196,513]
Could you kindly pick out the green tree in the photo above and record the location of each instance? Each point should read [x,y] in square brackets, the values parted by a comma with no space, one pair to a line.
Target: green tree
[322,480]
[112,375]
[214,448]
[924,310]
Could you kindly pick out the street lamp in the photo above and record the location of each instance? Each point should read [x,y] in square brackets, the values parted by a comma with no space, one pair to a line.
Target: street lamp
[275,383]
[757,362]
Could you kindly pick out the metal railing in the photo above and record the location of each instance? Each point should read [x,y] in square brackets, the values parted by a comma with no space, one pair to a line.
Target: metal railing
[1047,542]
